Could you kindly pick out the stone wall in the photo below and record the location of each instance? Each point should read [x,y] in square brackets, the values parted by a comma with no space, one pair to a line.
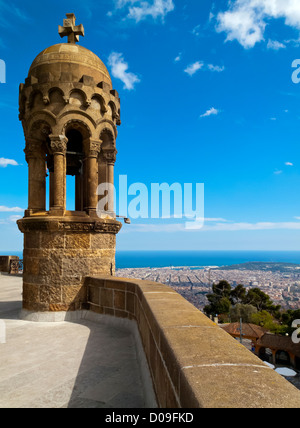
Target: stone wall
[193,362]
[5,263]
[56,264]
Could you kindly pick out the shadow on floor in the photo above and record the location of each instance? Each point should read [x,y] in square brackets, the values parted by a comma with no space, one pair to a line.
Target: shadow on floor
[10,310]
[109,373]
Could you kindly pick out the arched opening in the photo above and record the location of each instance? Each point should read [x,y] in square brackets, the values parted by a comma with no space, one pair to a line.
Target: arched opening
[74,170]
[265,354]
[49,175]
[37,150]
[282,358]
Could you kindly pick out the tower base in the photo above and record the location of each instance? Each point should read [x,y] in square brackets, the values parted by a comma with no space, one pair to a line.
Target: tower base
[59,253]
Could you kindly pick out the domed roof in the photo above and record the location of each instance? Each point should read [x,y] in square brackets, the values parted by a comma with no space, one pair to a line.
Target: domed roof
[69,58]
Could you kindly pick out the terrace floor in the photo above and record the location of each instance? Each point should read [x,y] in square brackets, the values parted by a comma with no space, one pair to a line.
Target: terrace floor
[81,364]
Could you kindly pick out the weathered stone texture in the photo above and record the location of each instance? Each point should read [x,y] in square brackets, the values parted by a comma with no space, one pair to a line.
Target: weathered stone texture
[192,361]
[54,276]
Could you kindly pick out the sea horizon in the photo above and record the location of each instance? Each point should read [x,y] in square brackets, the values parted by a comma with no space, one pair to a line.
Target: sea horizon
[194,258]
[202,258]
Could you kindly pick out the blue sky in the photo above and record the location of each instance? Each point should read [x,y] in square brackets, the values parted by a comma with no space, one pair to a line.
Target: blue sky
[206,97]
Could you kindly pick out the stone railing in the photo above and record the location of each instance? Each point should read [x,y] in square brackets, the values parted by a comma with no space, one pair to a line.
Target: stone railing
[193,362]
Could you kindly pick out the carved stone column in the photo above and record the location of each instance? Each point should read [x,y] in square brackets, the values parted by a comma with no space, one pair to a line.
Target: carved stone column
[59,148]
[102,177]
[36,160]
[110,156]
[91,163]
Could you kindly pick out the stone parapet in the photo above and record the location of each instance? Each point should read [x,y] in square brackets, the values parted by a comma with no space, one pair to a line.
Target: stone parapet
[193,362]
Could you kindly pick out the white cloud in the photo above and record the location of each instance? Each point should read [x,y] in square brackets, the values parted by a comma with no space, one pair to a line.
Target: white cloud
[246,20]
[231,227]
[10,219]
[196,30]
[119,70]
[193,68]
[5,162]
[289,164]
[223,220]
[211,112]
[196,66]
[178,58]
[278,172]
[4,209]
[140,10]
[14,218]
[275,45]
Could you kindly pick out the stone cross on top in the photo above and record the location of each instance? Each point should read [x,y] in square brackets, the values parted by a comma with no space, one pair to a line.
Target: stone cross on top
[70,29]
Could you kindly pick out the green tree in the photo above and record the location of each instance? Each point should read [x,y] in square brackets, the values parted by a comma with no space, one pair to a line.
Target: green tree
[219,302]
[223,289]
[266,320]
[238,294]
[261,301]
[242,311]
[287,319]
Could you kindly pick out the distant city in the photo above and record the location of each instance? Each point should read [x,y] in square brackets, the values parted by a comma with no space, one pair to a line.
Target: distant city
[281,281]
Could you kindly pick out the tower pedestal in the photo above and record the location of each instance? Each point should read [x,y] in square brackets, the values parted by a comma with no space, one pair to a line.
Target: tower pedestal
[70,113]
[59,253]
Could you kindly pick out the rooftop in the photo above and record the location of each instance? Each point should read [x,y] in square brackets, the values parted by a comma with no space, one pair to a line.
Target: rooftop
[248,330]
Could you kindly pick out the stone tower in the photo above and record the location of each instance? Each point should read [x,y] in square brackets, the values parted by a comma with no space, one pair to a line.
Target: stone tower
[69,112]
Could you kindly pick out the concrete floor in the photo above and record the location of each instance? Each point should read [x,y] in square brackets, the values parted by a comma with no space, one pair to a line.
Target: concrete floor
[51,365]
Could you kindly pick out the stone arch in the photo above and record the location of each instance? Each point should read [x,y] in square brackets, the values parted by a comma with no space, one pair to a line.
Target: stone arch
[79,125]
[40,130]
[77,98]
[107,137]
[40,116]
[265,354]
[107,127]
[78,116]
[115,113]
[57,101]
[113,108]
[56,95]
[282,357]
[22,106]
[98,104]
[35,99]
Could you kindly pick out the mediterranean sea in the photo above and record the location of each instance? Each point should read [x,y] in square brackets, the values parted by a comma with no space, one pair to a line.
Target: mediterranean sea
[194,259]
[200,259]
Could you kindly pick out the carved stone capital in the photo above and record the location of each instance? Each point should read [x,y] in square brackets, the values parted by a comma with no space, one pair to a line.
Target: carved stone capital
[109,155]
[58,144]
[94,148]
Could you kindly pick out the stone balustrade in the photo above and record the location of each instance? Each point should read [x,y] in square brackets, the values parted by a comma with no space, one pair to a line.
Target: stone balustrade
[193,362]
